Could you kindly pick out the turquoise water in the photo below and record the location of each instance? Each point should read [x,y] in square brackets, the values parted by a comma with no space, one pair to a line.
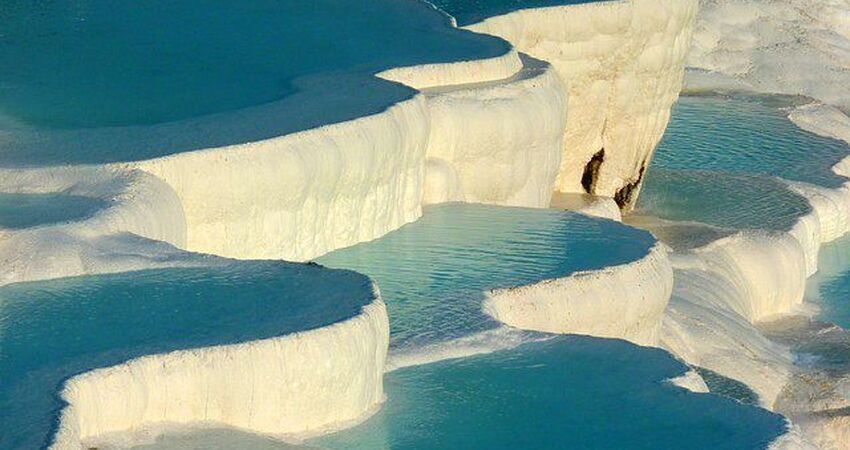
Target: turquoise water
[721,164]
[746,134]
[717,199]
[727,387]
[830,286]
[738,144]
[80,64]
[568,392]
[433,273]
[717,165]
[472,11]
[28,210]
[52,330]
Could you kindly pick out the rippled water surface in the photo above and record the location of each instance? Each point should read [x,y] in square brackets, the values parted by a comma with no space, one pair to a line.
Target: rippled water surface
[730,201]
[746,134]
[52,330]
[720,169]
[433,273]
[29,210]
[568,392]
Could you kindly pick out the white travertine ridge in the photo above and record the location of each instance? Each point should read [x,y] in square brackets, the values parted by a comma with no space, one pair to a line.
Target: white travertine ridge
[496,131]
[303,194]
[723,288]
[625,301]
[498,142]
[622,62]
[135,203]
[768,272]
[691,381]
[796,47]
[447,74]
[587,204]
[702,326]
[281,386]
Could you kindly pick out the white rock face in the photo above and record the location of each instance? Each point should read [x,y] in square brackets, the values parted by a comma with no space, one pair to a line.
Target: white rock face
[303,194]
[486,131]
[587,204]
[691,381]
[768,272]
[625,301]
[498,142]
[724,288]
[296,384]
[135,203]
[796,47]
[702,326]
[622,62]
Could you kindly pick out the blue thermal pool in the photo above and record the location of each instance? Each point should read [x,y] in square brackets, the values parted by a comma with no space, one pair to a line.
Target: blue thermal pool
[52,330]
[830,286]
[121,65]
[29,210]
[720,169]
[718,199]
[746,134]
[471,11]
[433,273]
[567,392]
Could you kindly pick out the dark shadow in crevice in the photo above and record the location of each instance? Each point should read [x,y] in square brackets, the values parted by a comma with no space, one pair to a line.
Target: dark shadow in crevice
[591,171]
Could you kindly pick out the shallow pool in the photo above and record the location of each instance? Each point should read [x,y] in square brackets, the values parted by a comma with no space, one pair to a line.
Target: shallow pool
[746,134]
[19,211]
[830,286]
[433,273]
[726,200]
[567,392]
[52,330]
[120,66]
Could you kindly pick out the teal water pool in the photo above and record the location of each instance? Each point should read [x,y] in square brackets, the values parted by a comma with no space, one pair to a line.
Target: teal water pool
[567,392]
[53,330]
[746,134]
[433,273]
[732,201]
[722,163]
[830,286]
[471,11]
[121,66]
[18,211]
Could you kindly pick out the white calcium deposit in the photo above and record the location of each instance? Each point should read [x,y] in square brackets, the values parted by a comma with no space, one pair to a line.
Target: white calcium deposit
[497,131]
[725,288]
[625,301]
[139,210]
[796,47]
[691,381]
[587,204]
[498,142]
[486,130]
[295,384]
[622,62]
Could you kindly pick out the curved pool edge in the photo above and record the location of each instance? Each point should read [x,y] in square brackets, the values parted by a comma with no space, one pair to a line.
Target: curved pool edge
[241,388]
[625,301]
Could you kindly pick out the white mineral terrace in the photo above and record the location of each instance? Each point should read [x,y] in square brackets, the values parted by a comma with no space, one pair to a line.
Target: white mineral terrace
[582,114]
